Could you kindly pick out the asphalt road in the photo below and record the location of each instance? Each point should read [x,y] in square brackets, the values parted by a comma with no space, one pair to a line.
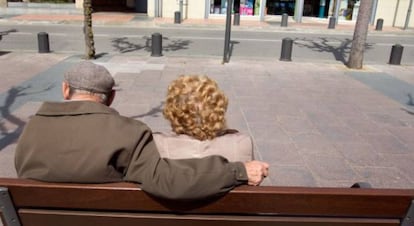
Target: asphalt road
[205,42]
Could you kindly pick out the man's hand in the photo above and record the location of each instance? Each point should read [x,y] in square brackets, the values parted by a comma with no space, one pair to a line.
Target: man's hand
[256,171]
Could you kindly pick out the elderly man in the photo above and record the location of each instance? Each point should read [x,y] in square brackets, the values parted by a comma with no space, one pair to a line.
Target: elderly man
[83,140]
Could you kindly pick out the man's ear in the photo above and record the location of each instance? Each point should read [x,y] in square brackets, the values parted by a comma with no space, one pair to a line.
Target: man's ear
[111,98]
[65,90]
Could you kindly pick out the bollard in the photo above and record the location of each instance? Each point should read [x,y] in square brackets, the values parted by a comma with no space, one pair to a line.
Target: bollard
[156,45]
[177,17]
[284,22]
[236,21]
[396,54]
[286,53]
[332,22]
[380,22]
[43,42]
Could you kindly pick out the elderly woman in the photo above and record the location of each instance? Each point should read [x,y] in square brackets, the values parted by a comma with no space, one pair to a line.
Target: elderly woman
[196,108]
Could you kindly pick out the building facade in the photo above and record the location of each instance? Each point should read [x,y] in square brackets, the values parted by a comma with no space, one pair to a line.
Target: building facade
[394,12]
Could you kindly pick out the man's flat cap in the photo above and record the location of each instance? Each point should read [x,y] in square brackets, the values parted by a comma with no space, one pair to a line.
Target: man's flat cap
[90,77]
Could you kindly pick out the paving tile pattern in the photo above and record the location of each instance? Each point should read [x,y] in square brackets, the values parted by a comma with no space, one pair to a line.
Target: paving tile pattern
[314,124]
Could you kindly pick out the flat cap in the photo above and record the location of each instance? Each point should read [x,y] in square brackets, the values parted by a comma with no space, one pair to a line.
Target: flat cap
[90,77]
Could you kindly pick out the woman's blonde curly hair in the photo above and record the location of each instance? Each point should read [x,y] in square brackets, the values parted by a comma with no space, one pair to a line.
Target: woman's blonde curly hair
[196,106]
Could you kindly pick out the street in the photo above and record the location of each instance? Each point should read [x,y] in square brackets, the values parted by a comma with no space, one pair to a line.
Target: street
[206,42]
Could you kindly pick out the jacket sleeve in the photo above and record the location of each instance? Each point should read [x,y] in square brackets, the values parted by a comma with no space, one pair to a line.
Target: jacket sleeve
[181,179]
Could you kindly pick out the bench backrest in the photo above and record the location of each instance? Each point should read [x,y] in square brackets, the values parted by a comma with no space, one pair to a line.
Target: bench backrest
[44,204]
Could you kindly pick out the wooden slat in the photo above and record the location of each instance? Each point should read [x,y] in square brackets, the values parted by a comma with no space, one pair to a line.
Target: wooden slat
[289,201]
[309,203]
[74,218]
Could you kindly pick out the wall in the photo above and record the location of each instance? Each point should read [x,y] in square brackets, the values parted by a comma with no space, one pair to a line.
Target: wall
[196,9]
[150,9]
[3,3]
[168,8]
[79,4]
[386,10]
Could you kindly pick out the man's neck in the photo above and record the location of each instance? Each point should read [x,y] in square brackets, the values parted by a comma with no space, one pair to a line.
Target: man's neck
[85,97]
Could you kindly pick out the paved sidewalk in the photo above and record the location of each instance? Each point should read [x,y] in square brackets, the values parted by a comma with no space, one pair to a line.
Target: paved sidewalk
[317,124]
[271,23]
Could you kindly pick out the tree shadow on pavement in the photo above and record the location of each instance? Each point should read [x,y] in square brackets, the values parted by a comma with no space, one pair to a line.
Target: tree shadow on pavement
[124,45]
[231,48]
[410,100]
[100,55]
[4,53]
[154,112]
[2,33]
[8,137]
[340,52]
[410,105]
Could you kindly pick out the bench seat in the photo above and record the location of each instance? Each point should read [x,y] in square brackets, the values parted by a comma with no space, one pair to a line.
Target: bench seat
[42,204]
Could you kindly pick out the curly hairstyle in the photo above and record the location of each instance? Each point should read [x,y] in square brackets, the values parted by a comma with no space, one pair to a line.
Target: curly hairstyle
[195,106]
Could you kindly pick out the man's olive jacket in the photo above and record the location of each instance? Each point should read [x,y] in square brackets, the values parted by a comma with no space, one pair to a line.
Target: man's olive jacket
[88,142]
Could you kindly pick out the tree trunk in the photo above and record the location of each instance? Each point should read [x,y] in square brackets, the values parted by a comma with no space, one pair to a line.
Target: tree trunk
[87,28]
[356,56]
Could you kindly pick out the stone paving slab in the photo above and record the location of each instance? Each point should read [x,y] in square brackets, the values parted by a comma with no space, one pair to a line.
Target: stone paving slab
[16,67]
[313,122]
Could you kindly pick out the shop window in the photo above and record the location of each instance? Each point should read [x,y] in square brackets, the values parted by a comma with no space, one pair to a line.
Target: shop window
[245,7]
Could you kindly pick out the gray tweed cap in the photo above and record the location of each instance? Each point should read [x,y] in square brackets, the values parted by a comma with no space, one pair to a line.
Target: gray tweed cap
[90,77]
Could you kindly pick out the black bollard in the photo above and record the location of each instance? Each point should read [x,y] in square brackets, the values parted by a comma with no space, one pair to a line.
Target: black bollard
[43,42]
[286,53]
[177,17]
[396,54]
[284,22]
[156,45]
[236,21]
[332,22]
[380,22]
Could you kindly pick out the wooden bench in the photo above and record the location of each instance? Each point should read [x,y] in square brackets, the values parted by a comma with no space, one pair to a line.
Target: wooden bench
[33,203]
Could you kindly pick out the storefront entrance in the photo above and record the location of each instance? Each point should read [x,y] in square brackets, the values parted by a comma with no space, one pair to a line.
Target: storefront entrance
[109,5]
[312,8]
[279,7]
[138,6]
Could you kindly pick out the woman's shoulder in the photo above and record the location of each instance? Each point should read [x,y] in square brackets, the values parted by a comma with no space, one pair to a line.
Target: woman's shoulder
[233,134]
[229,135]
[238,143]
[170,135]
[171,145]
[234,145]
[164,140]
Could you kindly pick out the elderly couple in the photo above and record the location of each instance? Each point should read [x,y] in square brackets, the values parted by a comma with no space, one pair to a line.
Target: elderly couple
[83,140]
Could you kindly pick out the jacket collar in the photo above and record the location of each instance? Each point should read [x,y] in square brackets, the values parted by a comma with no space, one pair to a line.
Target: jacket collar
[74,108]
